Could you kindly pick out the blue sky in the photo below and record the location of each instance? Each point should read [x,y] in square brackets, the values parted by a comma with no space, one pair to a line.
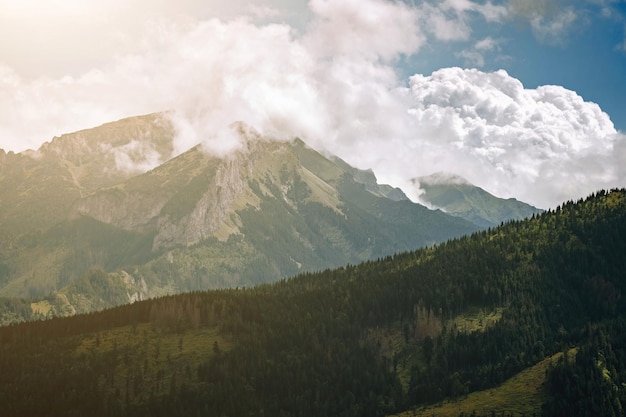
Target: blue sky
[524,98]
[587,56]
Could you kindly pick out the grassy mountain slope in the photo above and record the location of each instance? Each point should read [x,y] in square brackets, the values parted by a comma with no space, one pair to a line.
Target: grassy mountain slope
[456,196]
[385,336]
[523,394]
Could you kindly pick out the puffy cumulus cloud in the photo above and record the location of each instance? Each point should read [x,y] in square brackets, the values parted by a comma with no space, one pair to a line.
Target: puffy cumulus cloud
[542,145]
[619,156]
[218,73]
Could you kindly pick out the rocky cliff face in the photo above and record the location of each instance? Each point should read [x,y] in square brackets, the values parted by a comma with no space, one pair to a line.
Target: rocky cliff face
[213,207]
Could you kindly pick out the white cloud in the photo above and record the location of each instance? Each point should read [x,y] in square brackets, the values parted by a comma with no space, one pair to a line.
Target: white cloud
[213,73]
[490,11]
[445,24]
[552,30]
[136,156]
[551,21]
[450,20]
[486,44]
[70,37]
[366,28]
[263,11]
[475,56]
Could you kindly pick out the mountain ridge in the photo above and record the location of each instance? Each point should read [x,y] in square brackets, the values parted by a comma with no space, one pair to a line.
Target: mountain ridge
[39,186]
[458,197]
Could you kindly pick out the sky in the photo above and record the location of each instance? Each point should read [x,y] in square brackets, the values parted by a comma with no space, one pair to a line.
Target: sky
[524,98]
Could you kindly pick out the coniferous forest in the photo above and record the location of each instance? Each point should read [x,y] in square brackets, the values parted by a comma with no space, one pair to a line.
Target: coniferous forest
[374,339]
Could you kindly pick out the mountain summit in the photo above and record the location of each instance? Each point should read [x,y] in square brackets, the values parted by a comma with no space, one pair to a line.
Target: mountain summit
[458,197]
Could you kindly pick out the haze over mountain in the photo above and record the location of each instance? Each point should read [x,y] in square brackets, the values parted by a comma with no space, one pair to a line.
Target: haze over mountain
[106,215]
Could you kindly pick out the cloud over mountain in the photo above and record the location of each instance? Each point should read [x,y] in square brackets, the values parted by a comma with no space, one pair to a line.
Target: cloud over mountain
[334,84]
[545,143]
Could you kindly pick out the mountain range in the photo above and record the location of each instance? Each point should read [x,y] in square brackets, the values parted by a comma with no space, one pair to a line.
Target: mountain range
[112,215]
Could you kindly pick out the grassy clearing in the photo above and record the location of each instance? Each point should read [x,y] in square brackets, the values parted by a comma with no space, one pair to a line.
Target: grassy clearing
[144,361]
[523,394]
[477,319]
[196,343]
[405,351]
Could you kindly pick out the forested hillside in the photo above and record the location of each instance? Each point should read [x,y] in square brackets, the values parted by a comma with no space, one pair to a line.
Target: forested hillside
[367,340]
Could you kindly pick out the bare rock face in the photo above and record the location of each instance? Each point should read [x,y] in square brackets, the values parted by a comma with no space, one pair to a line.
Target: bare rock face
[212,207]
[190,197]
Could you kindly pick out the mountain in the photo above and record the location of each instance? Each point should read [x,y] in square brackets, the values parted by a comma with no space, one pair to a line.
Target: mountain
[456,196]
[464,325]
[88,225]
[38,187]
